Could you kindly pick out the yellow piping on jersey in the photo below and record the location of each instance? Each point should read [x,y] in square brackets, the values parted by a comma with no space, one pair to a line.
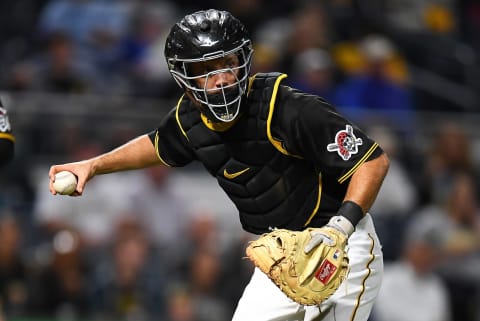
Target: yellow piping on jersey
[317,206]
[275,142]
[157,150]
[360,162]
[178,118]
[7,136]
[369,271]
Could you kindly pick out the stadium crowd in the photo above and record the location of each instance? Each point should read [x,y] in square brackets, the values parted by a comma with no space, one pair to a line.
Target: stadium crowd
[163,244]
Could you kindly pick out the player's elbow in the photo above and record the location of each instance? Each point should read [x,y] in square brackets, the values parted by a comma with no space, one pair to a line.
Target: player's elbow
[383,163]
[377,167]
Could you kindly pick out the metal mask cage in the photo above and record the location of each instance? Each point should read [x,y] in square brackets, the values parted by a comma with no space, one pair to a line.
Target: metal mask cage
[228,108]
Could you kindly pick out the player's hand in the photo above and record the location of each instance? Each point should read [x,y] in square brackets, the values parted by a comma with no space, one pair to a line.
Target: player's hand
[320,236]
[83,170]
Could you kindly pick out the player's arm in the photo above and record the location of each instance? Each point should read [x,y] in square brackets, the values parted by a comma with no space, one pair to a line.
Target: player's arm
[366,182]
[135,154]
[361,193]
[363,188]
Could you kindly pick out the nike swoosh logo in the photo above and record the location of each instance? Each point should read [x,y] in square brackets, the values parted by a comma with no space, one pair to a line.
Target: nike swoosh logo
[233,175]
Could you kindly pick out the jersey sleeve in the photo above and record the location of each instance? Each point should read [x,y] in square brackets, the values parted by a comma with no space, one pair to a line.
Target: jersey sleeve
[171,145]
[318,133]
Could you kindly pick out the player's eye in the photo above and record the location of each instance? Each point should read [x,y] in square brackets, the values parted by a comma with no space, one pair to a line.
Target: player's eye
[231,63]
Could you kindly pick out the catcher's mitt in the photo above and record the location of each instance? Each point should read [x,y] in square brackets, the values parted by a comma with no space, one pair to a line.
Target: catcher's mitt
[307,278]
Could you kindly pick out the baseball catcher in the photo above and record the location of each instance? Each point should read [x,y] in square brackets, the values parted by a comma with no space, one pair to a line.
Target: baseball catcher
[299,173]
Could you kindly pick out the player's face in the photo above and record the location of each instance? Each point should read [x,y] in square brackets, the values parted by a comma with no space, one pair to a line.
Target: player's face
[218,73]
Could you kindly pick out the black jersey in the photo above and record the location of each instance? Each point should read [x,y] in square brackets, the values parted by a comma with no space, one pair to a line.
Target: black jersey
[285,162]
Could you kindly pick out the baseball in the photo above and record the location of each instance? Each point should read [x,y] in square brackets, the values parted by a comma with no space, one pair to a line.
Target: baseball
[65,183]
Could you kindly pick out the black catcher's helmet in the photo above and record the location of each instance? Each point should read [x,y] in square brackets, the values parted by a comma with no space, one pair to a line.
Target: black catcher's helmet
[208,35]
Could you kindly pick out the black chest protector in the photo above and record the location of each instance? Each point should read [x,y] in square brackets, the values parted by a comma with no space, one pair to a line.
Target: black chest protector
[269,188]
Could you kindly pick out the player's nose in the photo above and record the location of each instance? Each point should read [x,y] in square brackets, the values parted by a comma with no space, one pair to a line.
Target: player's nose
[223,79]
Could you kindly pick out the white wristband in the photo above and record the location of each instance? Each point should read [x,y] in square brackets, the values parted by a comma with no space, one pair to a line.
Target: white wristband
[342,223]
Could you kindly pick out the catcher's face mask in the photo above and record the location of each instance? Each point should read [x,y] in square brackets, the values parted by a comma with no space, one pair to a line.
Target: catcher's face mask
[217,82]
[205,38]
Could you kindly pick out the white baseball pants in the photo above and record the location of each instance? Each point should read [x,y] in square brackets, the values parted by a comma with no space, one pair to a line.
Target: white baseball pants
[262,300]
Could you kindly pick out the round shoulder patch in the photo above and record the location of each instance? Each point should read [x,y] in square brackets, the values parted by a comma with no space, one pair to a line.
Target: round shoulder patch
[346,144]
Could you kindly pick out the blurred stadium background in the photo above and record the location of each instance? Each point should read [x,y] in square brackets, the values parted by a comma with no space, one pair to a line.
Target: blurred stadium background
[80,77]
